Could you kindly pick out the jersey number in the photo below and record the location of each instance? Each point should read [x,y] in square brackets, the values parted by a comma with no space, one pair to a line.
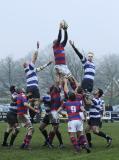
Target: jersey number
[73,109]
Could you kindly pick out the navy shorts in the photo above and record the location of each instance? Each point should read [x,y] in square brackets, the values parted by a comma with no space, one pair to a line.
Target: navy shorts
[11,118]
[34,90]
[87,84]
[94,122]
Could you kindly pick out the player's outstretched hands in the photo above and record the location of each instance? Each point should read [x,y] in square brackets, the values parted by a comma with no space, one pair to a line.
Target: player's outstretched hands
[65,25]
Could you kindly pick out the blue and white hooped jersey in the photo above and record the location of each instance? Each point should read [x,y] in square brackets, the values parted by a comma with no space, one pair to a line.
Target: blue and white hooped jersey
[89,69]
[13,105]
[96,107]
[31,77]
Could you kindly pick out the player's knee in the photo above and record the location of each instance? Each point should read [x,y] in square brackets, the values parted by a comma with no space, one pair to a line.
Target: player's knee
[31,130]
[9,129]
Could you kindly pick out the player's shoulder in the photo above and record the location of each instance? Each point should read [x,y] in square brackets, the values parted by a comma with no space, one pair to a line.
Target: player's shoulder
[95,100]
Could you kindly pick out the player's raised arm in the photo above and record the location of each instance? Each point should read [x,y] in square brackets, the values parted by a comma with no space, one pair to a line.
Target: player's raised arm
[66,89]
[87,101]
[60,110]
[40,68]
[35,54]
[34,57]
[76,50]
[65,34]
[59,34]
[38,45]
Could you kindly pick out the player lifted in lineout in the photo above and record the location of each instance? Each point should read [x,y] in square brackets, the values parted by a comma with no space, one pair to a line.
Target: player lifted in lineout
[59,55]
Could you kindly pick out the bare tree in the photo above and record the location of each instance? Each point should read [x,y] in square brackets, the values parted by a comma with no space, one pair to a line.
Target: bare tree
[107,74]
[11,74]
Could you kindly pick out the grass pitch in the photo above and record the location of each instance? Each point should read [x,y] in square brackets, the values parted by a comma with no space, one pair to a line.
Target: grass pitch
[99,152]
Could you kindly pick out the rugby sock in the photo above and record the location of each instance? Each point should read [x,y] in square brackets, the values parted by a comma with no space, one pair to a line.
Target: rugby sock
[58,134]
[44,132]
[82,140]
[102,134]
[88,135]
[13,136]
[51,136]
[6,134]
[27,140]
[75,143]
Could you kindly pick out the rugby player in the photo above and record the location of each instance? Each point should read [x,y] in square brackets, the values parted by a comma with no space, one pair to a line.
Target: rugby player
[13,126]
[59,54]
[95,117]
[23,117]
[75,124]
[46,119]
[82,141]
[55,91]
[32,89]
[89,69]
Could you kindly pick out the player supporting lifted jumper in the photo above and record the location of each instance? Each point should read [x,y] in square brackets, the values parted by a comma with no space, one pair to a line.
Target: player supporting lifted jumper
[79,96]
[59,54]
[56,101]
[75,124]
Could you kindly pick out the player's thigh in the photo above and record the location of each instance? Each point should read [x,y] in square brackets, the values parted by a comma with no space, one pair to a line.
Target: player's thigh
[63,69]
[79,125]
[44,122]
[54,117]
[24,120]
[72,126]
[95,129]
[11,118]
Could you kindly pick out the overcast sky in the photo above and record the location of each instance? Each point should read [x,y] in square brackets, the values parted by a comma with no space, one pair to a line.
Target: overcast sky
[93,24]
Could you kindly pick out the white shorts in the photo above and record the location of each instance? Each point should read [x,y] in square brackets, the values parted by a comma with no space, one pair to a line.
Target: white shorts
[24,120]
[54,117]
[75,126]
[63,69]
